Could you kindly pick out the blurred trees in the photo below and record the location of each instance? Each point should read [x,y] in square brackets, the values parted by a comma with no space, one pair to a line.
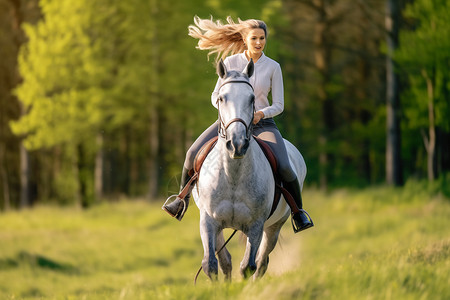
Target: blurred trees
[394,175]
[15,186]
[111,93]
[96,105]
[424,61]
[335,78]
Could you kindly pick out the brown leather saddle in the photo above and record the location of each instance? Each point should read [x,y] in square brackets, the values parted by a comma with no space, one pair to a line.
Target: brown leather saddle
[206,149]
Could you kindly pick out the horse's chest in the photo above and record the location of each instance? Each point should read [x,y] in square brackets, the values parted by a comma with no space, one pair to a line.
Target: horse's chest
[232,197]
[239,203]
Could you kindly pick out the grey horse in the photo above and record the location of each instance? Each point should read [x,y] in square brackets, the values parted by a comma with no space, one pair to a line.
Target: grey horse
[235,187]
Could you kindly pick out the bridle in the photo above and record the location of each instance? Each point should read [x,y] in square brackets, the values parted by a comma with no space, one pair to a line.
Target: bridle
[224,126]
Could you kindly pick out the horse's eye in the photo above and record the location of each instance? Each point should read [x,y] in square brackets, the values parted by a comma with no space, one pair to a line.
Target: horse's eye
[252,98]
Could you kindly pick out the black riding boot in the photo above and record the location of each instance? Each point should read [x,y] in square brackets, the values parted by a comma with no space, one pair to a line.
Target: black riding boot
[178,207]
[300,220]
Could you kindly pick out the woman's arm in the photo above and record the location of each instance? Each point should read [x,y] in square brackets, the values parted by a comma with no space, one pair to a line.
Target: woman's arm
[215,93]
[277,106]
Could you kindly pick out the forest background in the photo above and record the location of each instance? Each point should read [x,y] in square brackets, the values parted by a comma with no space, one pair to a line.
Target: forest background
[101,99]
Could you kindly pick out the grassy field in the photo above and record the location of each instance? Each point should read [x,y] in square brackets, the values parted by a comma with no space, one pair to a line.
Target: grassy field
[378,243]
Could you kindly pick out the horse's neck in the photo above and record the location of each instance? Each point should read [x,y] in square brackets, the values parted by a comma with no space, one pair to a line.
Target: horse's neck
[235,168]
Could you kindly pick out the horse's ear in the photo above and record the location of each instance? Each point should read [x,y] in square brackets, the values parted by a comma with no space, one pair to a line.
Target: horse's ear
[221,69]
[249,69]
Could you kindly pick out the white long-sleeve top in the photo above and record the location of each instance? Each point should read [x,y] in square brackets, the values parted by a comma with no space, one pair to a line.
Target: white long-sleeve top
[267,77]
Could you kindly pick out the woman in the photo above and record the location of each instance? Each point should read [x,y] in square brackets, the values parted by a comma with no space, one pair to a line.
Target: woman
[245,40]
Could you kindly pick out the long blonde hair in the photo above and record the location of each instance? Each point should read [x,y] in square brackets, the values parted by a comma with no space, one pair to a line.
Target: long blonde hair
[223,39]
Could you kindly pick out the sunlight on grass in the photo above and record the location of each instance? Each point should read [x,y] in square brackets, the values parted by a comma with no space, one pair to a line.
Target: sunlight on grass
[378,243]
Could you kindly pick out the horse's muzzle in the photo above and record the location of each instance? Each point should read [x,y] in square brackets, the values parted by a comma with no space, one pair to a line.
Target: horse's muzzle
[237,147]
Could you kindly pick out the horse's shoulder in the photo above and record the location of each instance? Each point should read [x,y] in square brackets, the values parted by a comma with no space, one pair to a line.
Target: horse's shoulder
[203,153]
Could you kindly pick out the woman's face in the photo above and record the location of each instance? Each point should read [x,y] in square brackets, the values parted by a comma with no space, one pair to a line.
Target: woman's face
[255,40]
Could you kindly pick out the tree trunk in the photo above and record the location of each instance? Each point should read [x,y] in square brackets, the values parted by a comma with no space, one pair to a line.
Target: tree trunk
[83,196]
[153,111]
[25,200]
[430,141]
[24,157]
[153,158]
[99,157]
[25,195]
[4,177]
[394,174]
[322,62]
[125,142]
[361,92]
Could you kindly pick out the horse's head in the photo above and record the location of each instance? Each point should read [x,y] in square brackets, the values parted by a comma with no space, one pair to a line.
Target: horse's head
[236,106]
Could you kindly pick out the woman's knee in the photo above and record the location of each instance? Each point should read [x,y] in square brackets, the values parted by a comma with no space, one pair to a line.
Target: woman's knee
[189,159]
[208,134]
[286,171]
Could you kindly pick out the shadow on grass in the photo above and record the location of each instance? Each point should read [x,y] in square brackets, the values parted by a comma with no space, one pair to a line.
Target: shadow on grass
[37,261]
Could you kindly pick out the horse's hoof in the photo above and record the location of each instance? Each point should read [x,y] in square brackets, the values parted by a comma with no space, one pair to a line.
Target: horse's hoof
[249,271]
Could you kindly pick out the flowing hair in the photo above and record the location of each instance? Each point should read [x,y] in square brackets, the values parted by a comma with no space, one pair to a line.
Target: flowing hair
[223,39]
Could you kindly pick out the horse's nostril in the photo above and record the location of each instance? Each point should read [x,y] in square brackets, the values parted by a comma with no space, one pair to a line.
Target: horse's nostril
[230,146]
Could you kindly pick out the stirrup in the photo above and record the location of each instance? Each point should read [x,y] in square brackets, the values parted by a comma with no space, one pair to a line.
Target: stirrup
[297,228]
[179,214]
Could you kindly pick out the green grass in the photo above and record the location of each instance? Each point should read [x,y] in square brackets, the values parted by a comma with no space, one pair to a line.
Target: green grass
[378,243]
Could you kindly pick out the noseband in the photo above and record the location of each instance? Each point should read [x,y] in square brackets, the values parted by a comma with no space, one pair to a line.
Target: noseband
[223,127]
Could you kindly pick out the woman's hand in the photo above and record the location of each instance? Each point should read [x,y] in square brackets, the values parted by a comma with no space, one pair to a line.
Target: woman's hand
[258,116]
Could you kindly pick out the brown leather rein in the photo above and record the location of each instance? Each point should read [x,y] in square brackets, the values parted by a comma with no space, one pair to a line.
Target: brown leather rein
[224,126]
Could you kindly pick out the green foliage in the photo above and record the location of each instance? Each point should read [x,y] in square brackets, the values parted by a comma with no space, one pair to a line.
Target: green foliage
[423,60]
[107,67]
[426,50]
[74,76]
[375,243]
[423,53]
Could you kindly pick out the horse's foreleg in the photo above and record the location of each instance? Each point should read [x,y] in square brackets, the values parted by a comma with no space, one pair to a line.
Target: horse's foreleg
[268,243]
[224,257]
[208,233]
[254,236]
